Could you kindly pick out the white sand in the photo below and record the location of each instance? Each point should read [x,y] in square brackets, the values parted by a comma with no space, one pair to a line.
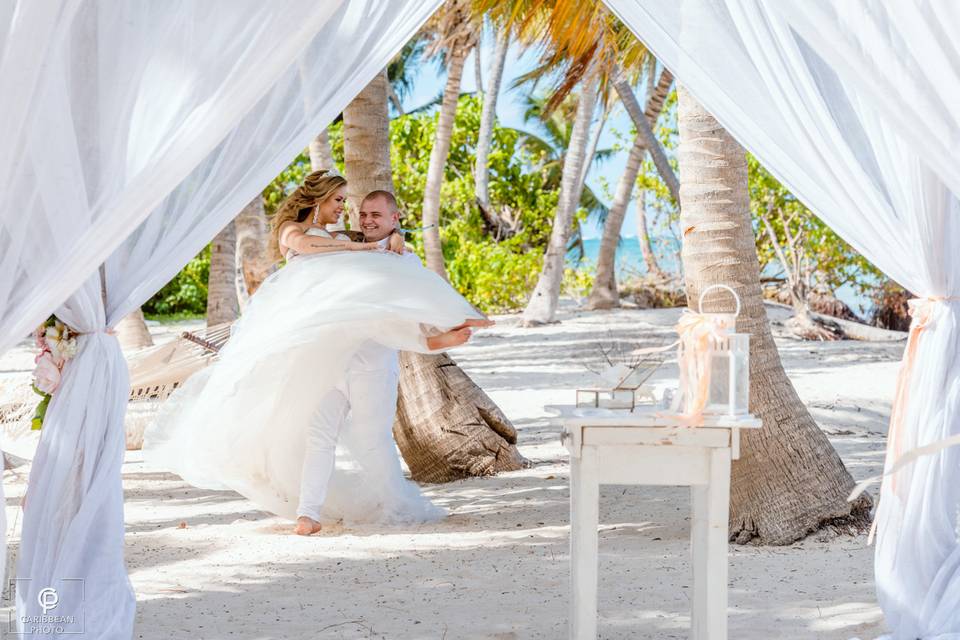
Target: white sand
[211,565]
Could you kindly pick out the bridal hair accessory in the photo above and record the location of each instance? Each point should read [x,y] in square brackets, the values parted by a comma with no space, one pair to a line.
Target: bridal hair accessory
[58,344]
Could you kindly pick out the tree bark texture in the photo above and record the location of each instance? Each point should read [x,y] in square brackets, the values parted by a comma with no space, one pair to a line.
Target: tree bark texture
[488,117]
[542,306]
[222,304]
[789,481]
[456,56]
[366,144]
[447,428]
[253,263]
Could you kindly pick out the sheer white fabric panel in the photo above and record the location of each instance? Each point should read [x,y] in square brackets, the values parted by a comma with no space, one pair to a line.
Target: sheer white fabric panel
[855,107]
[148,130]
[108,106]
[356,44]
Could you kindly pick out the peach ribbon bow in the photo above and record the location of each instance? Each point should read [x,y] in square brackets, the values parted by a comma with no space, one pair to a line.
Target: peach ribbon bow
[921,312]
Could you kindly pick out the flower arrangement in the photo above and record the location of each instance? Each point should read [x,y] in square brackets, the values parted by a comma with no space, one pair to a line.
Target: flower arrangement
[57,343]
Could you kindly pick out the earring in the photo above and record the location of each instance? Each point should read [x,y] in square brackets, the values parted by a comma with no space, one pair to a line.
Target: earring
[316,215]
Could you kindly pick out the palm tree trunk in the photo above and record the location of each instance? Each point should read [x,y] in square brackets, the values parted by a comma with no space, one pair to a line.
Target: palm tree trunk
[592,150]
[222,304]
[487,118]
[604,294]
[132,332]
[438,160]
[789,481]
[478,67]
[643,237]
[658,96]
[366,144]
[644,128]
[542,307]
[321,156]
[446,426]
[253,263]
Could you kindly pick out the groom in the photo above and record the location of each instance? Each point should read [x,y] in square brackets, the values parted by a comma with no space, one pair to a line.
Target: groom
[369,393]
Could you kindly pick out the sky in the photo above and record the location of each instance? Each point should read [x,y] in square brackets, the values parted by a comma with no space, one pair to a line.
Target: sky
[430,81]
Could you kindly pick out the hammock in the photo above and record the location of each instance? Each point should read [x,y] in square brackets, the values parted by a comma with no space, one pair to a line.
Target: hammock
[155,373]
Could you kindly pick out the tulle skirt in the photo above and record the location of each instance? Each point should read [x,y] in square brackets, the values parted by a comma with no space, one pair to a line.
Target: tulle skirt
[241,423]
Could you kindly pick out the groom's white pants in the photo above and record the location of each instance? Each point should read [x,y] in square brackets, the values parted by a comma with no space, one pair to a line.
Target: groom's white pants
[369,396]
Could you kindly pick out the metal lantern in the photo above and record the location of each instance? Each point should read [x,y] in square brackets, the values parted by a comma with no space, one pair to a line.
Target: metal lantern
[729,370]
[730,375]
[714,361]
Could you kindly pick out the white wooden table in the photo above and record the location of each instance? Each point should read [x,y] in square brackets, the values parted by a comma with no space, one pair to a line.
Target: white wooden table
[649,447]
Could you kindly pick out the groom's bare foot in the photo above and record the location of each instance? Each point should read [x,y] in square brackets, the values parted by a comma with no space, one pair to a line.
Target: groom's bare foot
[306,526]
[448,340]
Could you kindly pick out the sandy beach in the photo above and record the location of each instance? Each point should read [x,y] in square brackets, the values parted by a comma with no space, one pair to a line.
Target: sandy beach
[211,565]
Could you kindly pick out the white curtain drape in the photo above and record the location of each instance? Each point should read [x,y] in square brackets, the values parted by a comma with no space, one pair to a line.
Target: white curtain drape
[855,106]
[131,133]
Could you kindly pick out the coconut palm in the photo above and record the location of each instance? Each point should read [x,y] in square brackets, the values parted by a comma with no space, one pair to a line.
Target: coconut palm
[604,294]
[453,30]
[581,43]
[321,156]
[487,116]
[253,261]
[366,143]
[542,307]
[132,332]
[222,304]
[446,426]
[789,481]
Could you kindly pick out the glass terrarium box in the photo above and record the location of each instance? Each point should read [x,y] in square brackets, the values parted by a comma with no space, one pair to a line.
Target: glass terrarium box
[621,387]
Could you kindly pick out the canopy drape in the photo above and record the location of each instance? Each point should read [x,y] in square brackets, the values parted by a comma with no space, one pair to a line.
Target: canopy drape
[132,133]
[855,107]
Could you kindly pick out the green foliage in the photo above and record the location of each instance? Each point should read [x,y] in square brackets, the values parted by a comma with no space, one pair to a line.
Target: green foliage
[186,293]
[494,276]
[812,251]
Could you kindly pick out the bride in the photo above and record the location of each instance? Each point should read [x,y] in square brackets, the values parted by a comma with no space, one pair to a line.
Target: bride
[243,422]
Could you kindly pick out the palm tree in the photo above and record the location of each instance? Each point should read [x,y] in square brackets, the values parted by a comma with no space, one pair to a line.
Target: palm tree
[542,307]
[789,481]
[132,332]
[583,43]
[487,116]
[321,156]
[604,294]
[446,426]
[643,238]
[222,304]
[253,261]
[550,148]
[366,144]
[454,33]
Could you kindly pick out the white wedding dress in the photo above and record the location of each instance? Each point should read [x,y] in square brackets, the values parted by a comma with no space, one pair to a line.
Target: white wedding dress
[242,423]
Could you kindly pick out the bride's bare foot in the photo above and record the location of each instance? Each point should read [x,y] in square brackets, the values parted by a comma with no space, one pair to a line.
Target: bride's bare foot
[306,526]
[480,323]
[448,340]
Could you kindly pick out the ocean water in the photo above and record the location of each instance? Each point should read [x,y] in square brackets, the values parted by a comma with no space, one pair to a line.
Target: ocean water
[630,263]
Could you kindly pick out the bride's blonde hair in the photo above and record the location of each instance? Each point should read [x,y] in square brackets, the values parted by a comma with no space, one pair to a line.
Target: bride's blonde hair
[299,205]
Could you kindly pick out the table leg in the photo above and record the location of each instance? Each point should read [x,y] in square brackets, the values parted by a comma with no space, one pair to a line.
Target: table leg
[584,520]
[708,542]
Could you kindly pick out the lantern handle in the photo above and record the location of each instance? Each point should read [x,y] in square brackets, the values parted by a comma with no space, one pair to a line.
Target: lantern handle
[703,294]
